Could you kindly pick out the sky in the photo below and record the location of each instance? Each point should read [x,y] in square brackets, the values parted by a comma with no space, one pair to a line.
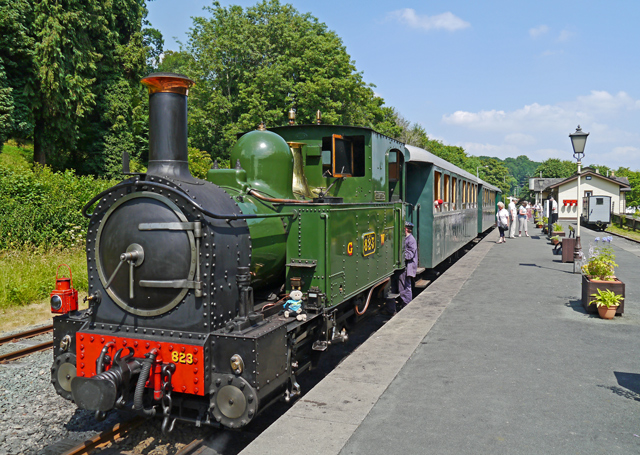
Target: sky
[498,78]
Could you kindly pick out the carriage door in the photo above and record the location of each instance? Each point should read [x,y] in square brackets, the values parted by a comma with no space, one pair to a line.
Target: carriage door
[395,175]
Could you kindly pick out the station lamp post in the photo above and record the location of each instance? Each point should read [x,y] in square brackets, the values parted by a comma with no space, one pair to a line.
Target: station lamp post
[578,141]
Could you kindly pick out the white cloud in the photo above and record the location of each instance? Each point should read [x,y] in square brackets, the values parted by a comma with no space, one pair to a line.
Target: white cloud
[537,117]
[445,21]
[602,101]
[538,31]
[541,131]
[565,35]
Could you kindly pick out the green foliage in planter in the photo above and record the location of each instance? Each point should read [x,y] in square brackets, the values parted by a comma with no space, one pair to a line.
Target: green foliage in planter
[601,264]
[557,227]
[555,237]
[545,220]
[606,298]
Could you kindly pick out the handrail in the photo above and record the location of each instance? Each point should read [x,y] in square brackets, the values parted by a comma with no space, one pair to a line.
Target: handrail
[198,207]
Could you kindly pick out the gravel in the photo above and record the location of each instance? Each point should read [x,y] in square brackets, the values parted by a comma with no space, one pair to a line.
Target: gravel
[33,418]
[32,415]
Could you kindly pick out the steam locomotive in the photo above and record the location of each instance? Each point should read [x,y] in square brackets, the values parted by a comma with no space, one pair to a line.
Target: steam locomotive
[188,279]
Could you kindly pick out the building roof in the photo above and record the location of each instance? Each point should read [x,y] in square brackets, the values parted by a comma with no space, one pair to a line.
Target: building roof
[622,181]
[540,185]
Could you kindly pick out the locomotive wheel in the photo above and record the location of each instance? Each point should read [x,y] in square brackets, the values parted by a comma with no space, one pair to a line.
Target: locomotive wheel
[234,402]
[62,373]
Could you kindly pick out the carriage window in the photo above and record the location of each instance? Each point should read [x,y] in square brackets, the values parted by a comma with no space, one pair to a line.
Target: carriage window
[454,193]
[394,166]
[463,199]
[344,156]
[599,201]
[437,188]
[447,190]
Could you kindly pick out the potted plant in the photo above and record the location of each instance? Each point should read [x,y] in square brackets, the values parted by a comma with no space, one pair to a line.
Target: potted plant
[545,224]
[555,239]
[557,230]
[539,221]
[607,302]
[598,274]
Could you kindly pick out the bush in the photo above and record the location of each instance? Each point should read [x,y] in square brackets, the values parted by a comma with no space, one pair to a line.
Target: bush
[42,208]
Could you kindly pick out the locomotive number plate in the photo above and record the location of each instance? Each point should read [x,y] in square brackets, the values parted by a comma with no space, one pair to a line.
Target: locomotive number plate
[369,243]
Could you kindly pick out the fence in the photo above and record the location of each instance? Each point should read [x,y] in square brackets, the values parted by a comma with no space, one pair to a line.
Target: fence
[626,221]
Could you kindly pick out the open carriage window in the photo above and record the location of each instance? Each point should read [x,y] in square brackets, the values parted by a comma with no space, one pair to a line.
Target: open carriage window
[394,166]
[343,156]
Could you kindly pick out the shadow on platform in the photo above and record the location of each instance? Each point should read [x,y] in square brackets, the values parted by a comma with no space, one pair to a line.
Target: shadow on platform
[576,305]
[541,267]
[629,385]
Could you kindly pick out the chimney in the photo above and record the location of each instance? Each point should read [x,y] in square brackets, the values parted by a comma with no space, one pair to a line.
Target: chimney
[168,153]
[613,174]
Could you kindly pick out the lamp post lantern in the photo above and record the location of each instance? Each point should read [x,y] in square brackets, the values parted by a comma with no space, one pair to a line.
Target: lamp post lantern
[578,141]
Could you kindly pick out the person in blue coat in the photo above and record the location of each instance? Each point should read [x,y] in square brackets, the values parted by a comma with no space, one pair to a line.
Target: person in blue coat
[411,265]
[405,279]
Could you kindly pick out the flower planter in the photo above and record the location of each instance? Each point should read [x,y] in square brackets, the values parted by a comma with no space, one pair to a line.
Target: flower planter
[607,312]
[558,233]
[568,247]
[554,241]
[590,286]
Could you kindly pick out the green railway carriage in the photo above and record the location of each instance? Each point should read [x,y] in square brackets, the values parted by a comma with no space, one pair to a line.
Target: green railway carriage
[441,229]
[489,197]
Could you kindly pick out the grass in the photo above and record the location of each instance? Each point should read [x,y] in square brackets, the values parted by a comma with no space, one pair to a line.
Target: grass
[16,156]
[27,278]
[624,231]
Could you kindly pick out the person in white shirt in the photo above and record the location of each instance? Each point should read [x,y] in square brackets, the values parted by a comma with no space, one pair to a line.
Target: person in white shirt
[512,213]
[502,220]
[522,219]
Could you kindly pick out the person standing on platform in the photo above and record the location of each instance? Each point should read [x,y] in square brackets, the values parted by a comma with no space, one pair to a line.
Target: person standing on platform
[553,213]
[513,219]
[405,279]
[405,282]
[502,218]
[522,219]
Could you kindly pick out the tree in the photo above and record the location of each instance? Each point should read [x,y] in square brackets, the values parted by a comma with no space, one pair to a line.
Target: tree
[254,65]
[556,168]
[6,107]
[521,168]
[16,64]
[633,196]
[85,95]
[491,170]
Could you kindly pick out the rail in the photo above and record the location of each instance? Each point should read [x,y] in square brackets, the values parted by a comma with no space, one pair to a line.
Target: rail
[108,436]
[18,354]
[26,334]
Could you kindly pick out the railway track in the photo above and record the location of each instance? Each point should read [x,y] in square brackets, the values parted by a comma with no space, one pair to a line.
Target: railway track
[8,357]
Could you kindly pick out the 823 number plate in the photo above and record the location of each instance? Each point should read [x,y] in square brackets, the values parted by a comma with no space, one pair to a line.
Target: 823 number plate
[369,243]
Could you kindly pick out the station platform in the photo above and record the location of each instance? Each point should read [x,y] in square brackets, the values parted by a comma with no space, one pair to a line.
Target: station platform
[497,356]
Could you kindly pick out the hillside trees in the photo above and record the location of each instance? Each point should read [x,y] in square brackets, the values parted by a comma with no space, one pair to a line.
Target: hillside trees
[73,69]
[633,196]
[16,53]
[254,65]
[556,168]
[491,170]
